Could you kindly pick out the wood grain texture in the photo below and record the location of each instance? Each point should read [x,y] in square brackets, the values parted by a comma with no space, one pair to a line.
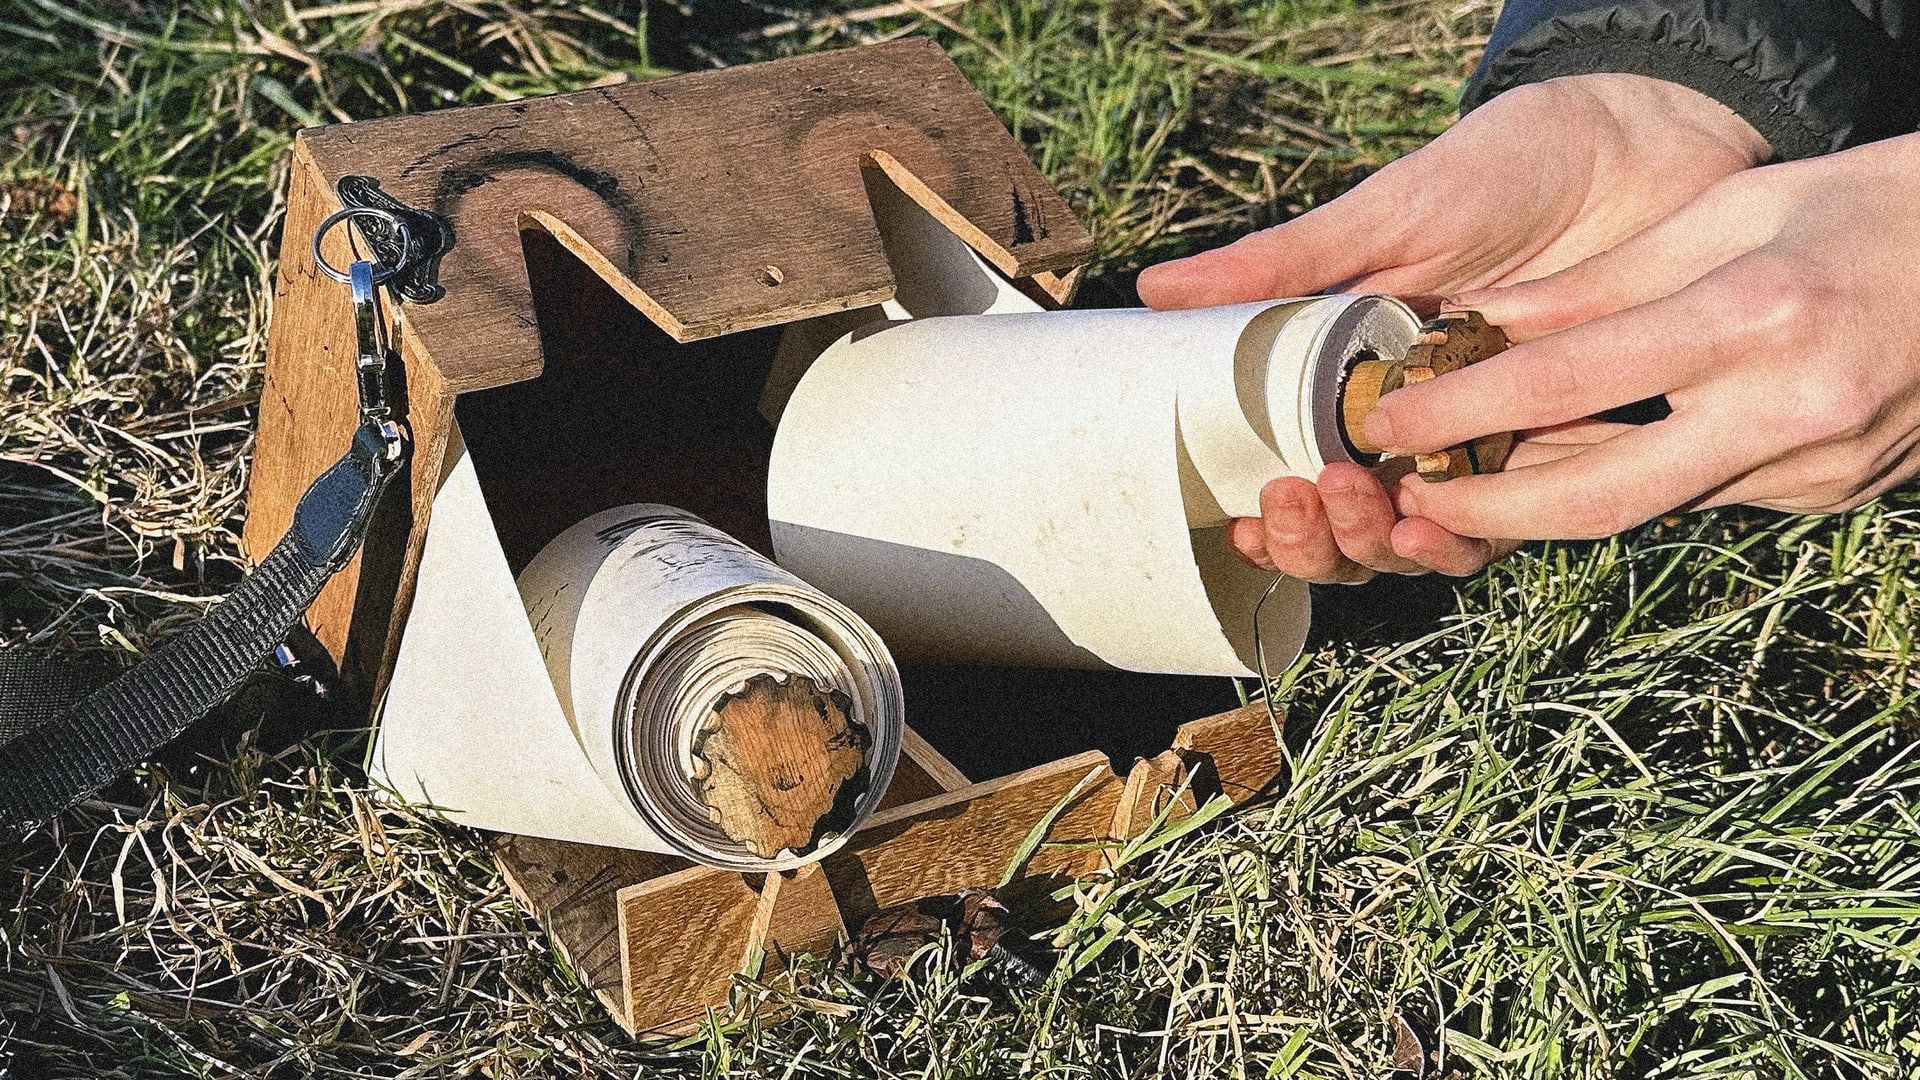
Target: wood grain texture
[308,412]
[960,839]
[915,748]
[910,784]
[683,937]
[969,838]
[1241,748]
[714,201]
[922,773]
[1155,784]
[308,407]
[770,761]
[688,196]
[573,891]
[802,916]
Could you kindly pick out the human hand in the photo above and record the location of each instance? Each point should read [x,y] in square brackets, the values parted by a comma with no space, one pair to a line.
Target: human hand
[1534,181]
[1776,313]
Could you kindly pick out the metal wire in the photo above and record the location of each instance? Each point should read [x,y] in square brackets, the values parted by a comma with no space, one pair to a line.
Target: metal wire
[1260,655]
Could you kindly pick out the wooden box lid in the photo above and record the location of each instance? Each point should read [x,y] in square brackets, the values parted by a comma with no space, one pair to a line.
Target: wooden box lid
[715,201]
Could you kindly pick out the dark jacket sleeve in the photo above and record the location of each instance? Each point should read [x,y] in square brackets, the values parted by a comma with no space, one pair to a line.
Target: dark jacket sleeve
[1812,76]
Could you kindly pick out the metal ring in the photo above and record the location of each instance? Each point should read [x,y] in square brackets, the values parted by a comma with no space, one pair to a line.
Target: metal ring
[380,272]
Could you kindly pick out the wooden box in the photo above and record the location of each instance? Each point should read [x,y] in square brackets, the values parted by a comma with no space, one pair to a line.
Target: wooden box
[623,258]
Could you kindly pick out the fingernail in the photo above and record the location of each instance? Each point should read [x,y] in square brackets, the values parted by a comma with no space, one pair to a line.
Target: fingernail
[1379,428]
[1285,515]
[1339,508]
[1406,495]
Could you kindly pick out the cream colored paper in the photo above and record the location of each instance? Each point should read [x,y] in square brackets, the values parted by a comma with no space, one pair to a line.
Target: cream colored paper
[473,727]
[1009,488]
[934,271]
[470,723]
[647,616]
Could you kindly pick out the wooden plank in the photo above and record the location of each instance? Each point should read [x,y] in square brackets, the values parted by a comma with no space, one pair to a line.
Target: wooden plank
[921,752]
[1242,747]
[911,783]
[308,408]
[682,938]
[1152,784]
[715,201]
[308,412]
[967,838]
[573,890]
[803,917]
[621,917]
[923,773]
[389,564]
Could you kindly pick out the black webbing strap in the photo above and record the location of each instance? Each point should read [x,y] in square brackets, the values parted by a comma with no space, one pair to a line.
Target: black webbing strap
[51,764]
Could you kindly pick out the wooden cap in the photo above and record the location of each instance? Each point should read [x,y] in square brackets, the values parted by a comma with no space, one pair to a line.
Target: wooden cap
[772,760]
[1367,383]
[1446,344]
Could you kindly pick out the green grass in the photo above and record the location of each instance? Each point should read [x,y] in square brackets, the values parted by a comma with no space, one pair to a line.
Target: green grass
[1641,808]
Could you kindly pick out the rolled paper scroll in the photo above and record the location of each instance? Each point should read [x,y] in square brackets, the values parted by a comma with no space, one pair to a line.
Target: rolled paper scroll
[649,684]
[751,721]
[1052,488]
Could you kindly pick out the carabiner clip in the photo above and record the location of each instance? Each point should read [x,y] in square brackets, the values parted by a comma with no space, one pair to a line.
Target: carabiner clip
[371,357]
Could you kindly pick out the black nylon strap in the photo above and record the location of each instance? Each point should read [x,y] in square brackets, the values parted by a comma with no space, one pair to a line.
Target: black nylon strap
[53,765]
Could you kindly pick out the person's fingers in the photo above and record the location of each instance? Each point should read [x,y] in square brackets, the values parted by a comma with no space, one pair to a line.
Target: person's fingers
[1652,349]
[1299,539]
[1352,237]
[1248,539]
[1898,472]
[1309,254]
[1821,478]
[1613,485]
[1574,433]
[1425,542]
[1362,518]
[1723,224]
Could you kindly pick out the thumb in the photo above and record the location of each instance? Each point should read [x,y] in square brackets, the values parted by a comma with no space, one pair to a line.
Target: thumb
[1312,253]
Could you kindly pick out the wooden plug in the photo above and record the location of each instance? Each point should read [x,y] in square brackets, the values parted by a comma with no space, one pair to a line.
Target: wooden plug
[1367,383]
[771,761]
[1446,344]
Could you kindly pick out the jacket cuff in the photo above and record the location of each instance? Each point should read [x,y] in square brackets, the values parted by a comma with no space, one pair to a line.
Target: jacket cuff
[1811,76]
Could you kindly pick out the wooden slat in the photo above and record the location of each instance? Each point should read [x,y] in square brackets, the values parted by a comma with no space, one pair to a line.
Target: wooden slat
[804,915]
[682,215]
[952,841]
[308,409]
[918,750]
[308,412]
[683,937]
[1242,747]
[1152,784]
[573,891]
[911,783]
[715,201]
[967,838]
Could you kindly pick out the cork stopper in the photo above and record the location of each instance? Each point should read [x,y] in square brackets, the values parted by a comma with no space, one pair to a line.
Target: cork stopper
[773,761]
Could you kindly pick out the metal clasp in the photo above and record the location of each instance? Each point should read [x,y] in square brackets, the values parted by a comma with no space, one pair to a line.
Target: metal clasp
[371,358]
[373,355]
